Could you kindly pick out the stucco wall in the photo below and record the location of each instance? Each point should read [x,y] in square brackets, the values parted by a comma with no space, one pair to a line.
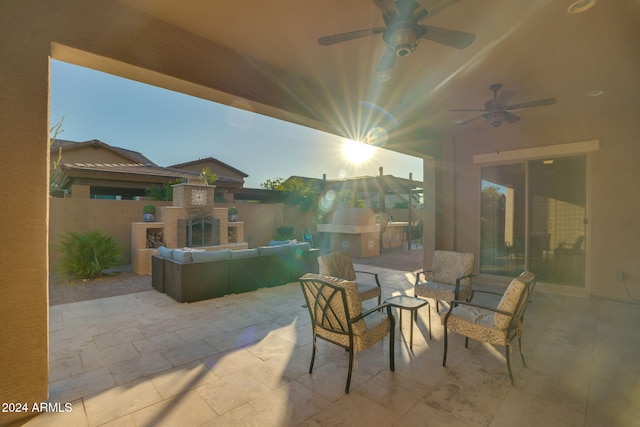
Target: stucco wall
[114,217]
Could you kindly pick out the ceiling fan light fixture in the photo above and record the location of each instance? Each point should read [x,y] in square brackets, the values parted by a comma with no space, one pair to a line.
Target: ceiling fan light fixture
[403,41]
[580,6]
[494,119]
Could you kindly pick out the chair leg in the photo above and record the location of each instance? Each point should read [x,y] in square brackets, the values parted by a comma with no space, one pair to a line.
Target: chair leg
[313,354]
[508,352]
[346,390]
[446,343]
[466,342]
[521,353]
[429,310]
[392,340]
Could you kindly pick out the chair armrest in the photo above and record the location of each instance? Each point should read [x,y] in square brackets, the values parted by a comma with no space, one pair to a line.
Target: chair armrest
[375,275]
[489,292]
[418,273]
[484,307]
[458,279]
[372,310]
[474,292]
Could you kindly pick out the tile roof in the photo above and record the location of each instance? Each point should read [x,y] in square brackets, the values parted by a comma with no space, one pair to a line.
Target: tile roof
[130,168]
[134,156]
[209,159]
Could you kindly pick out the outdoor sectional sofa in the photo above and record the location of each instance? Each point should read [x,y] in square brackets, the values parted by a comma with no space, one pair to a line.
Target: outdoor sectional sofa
[189,276]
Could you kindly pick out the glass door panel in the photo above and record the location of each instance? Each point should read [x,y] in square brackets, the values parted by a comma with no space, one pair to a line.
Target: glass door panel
[557,212]
[533,218]
[502,227]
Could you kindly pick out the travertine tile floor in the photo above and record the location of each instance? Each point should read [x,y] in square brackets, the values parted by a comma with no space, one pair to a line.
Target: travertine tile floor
[145,360]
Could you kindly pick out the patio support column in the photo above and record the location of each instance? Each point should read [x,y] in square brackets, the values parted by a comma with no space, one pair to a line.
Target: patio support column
[24,169]
[429,208]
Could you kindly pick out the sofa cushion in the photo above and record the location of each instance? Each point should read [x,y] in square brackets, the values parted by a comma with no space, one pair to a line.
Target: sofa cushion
[273,250]
[244,253]
[300,247]
[279,242]
[211,256]
[182,256]
[165,252]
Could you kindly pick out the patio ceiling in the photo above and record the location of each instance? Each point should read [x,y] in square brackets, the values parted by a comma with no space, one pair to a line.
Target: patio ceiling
[535,48]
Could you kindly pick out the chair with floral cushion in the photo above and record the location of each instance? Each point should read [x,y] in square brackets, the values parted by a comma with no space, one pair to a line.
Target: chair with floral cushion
[448,279]
[494,325]
[340,265]
[336,315]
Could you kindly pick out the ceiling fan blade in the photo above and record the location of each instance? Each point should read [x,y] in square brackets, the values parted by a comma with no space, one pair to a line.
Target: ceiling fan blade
[420,15]
[338,38]
[470,120]
[538,103]
[504,96]
[453,38]
[510,117]
[467,109]
[387,7]
[387,61]
[436,6]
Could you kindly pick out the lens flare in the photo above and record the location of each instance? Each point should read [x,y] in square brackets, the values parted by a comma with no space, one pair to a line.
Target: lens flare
[377,137]
[356,151]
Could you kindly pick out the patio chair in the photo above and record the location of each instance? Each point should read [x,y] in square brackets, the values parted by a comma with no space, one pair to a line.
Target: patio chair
[448,279]
[336,315]
[494,325]
[340,265]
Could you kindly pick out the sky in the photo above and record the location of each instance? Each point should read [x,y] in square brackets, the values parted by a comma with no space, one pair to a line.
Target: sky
[170,128]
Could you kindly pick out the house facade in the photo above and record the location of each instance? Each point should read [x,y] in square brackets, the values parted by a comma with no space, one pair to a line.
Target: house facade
[108,172]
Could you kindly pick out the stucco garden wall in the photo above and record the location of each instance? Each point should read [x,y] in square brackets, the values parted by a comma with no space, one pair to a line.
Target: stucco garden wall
[114,217]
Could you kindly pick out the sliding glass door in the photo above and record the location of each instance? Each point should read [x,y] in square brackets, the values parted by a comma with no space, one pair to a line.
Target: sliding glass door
[533,217]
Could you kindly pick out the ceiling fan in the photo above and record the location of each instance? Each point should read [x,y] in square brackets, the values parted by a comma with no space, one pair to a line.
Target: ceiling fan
[403,31]
[496,110]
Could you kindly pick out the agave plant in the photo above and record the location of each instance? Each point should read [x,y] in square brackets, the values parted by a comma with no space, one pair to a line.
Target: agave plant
[87,254]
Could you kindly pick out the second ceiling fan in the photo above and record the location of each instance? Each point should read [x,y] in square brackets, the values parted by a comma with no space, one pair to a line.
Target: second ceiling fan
[403,31]
[497,110]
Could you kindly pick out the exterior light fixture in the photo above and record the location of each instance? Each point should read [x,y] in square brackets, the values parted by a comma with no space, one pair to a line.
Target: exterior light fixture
[594,93]
[580,6]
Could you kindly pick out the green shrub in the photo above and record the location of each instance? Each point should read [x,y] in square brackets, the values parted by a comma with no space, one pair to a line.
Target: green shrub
[283,233]
[149,209]
[85,255]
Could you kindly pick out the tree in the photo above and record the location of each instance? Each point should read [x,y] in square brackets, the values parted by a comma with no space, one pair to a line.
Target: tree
[55,174]
[296,190]
[209,177]
[273,184]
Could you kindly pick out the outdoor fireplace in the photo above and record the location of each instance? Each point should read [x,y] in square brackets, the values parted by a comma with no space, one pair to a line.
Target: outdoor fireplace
[198,231]
[192,221]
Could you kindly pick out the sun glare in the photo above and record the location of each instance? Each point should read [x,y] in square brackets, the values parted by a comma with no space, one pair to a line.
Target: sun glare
[356,152]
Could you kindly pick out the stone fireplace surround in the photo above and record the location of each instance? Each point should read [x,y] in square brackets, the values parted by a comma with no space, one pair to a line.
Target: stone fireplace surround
[190,201]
